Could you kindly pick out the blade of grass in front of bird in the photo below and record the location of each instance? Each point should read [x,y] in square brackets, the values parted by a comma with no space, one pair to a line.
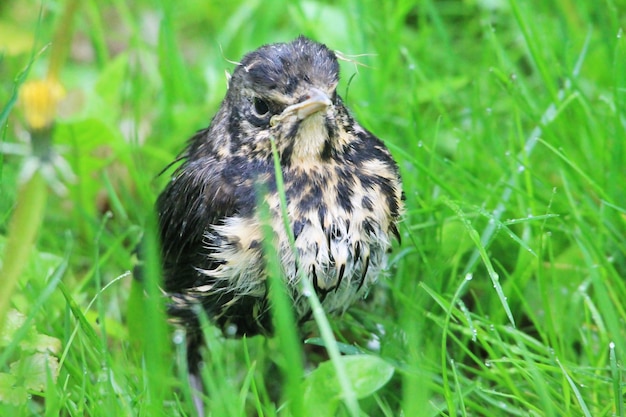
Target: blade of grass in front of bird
[282,314]
[256,390]
[349,395]
[154,322]
[215,377]
[246,386]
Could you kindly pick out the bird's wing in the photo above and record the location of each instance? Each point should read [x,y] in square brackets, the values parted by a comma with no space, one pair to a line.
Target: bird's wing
[198,197]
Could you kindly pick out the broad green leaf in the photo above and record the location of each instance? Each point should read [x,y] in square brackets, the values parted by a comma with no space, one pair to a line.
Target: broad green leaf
[42,343]
[34,369]
[33,342]
[91,134]
[322,392]
[9,393]
[13,322]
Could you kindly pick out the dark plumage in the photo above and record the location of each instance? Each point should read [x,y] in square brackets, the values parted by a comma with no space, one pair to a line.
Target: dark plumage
[342,187]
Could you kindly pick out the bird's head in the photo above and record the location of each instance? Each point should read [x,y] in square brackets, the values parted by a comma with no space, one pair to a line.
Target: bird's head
[286,91]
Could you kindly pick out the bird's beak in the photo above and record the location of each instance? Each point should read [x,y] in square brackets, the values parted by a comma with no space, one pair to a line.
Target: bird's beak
[316,101]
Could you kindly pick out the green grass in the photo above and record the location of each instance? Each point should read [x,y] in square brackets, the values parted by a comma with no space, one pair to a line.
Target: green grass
[506,297]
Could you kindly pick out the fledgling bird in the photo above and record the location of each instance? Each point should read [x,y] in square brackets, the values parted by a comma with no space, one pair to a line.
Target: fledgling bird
[342,187]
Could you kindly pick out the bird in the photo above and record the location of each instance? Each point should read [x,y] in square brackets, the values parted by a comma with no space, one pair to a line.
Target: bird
[342,189]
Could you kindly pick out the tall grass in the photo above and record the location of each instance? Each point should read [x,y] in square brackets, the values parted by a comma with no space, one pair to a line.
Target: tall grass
[507,119]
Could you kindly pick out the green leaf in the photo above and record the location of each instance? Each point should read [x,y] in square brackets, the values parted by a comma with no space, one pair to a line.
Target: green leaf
[367,375]
[9,393]
[33,342]
[42,343]
[88,133]
[13,322]
[34,370]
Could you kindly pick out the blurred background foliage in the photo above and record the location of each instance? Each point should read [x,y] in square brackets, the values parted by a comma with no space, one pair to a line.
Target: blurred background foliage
[507,119]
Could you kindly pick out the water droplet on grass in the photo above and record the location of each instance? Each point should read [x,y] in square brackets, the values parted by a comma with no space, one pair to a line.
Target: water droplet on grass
[374,344]
[231,330]
[179,337]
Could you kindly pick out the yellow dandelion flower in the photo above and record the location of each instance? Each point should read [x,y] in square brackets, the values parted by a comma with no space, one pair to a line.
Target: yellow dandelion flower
[39,100]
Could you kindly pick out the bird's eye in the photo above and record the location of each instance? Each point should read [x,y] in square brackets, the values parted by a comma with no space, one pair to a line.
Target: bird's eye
[261,107]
